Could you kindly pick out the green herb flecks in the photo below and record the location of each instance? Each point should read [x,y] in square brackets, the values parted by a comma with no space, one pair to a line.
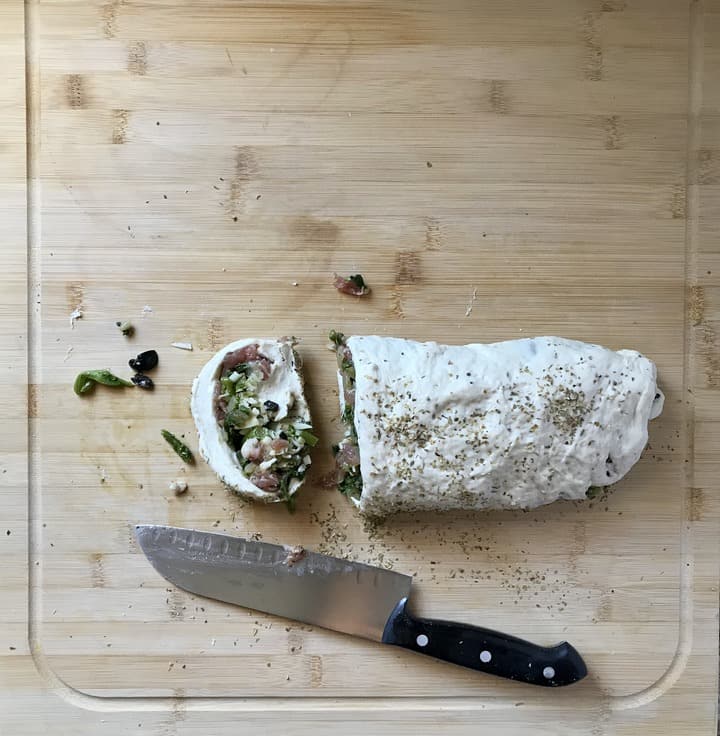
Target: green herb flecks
[348,414]
[351,484]
[336,338]
[183,451]
[284,493]
[310,439]
[86,381]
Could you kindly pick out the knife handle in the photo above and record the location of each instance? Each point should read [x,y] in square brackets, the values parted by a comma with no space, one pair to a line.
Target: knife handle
[484,650]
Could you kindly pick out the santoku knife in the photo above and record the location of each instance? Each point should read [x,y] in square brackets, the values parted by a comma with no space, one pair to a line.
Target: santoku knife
[345,596]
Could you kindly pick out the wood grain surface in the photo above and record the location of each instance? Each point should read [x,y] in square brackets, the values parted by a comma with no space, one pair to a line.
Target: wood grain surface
[495,170]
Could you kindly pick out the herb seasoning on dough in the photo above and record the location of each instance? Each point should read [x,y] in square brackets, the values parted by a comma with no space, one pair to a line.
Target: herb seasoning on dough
[515,424]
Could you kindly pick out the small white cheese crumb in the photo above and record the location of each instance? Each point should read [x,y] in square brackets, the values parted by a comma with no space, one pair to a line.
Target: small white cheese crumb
[471,303]
[75,315]
[147,309]
[68,353]
[182,345]
[178,487]
[294,283]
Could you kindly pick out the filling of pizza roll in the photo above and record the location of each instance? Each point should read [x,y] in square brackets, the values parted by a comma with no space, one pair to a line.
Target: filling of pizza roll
[253,420]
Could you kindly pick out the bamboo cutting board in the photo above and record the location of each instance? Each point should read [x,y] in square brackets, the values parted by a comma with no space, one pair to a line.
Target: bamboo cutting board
[495,170]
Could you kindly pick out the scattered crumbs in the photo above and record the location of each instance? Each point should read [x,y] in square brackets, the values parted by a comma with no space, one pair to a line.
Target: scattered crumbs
[471,303]
[103,475]
[68,353]
[294,555]
[12,649]
[212,642]
[287,678]
[428,164]
[178,487]
[75,315]
[147,309]
[294,283]
[170,666]
[182,345]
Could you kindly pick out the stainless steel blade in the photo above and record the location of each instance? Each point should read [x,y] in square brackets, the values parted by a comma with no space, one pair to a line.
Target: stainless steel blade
[321,590]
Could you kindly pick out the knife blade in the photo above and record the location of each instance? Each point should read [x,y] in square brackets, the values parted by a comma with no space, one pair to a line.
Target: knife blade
[344,596]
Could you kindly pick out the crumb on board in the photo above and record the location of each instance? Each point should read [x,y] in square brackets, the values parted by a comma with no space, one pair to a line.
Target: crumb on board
[178,487]
[75,315]
[355,285]
[182,345]
[471,303]
[295,554]
[147,309]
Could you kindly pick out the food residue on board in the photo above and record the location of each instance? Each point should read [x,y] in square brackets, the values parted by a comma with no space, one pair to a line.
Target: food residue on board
[147,309]
[75,315]
[143,381]
[145,361]
[471,303]
[182,345]
[86,381]
[140,364]
[182,450]
[294,555]
[178,487]
[125,327]
[354,285]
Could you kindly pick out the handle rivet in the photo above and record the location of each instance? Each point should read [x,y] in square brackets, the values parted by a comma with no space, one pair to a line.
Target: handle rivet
[548,673]
[485,656]
[422,640]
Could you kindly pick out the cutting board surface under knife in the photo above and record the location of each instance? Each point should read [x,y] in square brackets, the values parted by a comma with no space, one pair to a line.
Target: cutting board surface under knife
[205,169]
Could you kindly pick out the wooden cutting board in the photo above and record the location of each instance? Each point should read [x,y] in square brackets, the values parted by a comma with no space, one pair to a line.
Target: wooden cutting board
[496,170]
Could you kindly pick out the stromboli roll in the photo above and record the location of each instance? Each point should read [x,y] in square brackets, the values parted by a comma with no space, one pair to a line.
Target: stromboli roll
[514,424]
[252,418]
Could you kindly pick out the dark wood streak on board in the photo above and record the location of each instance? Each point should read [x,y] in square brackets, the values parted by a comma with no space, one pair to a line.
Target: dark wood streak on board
[137,58]
[120,124]
[75,92]
[407,267]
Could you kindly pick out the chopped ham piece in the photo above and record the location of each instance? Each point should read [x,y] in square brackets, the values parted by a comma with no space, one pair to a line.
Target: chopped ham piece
[265,481]
[354,285]
[247,354]
[348,455]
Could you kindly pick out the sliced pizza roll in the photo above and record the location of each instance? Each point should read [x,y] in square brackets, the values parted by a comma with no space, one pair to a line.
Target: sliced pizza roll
[253,420]
[514,424]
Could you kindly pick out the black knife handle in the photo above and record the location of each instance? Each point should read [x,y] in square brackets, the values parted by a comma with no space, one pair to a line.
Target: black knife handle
[485,650]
